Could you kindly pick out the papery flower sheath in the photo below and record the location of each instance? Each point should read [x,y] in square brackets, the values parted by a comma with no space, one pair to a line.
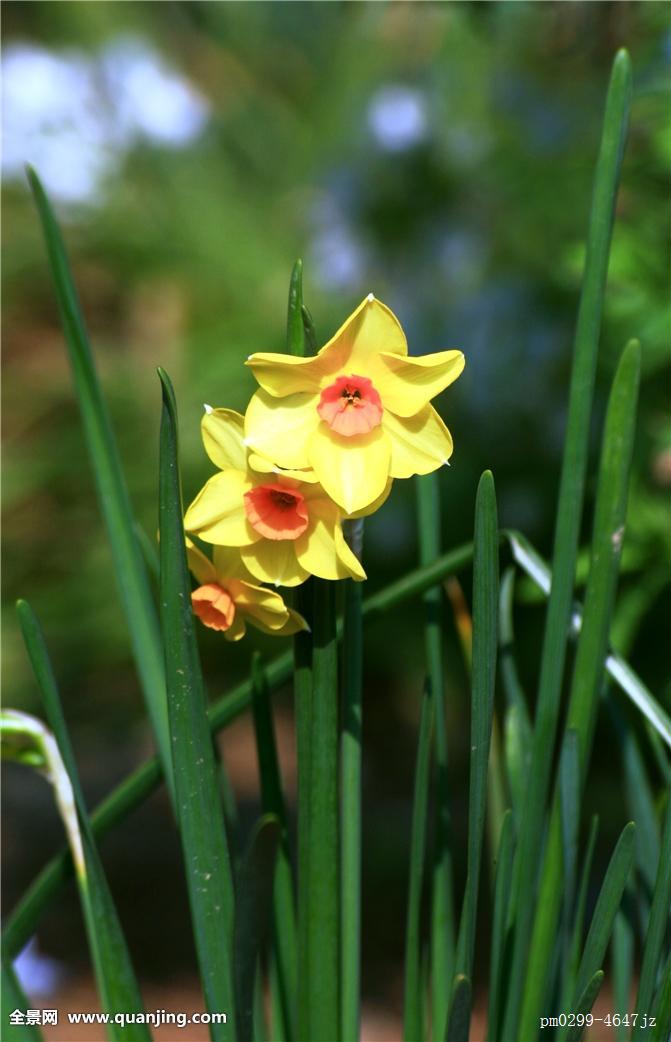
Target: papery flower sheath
[228,597]
[358,413]
[284,524]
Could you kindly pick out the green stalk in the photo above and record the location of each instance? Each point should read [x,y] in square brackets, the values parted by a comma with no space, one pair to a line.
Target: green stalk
[323,918]
[129,567]
[13,998]
[413,1027]
[199,813]
[569,514]
[657,928]
[504,867]
[609,519]
[272,800]
[350,808]
[442,911]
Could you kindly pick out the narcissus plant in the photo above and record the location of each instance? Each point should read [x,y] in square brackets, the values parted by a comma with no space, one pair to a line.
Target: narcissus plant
[228,597]
[282,522]
[358,413]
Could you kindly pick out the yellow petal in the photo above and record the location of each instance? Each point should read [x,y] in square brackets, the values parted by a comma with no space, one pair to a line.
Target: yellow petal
[237,629]
[229,565]
[265,466]
[368,330]
[200,565]
[353,471]
[419,444]
[274,561]
[279,429]
[406,385]
[217,514]
[375,505]
[322,549]
[224,439]
[294,624]
[280,375]
[255,600]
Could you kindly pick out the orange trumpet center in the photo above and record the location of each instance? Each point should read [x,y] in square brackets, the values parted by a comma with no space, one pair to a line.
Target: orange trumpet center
[214,606]
[350,405]
[276,511]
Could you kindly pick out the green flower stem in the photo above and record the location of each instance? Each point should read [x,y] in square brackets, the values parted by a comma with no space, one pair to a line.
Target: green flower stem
[442,910]
[323,919]
[413,1027]
[272,799]
[350,810]
[569,516]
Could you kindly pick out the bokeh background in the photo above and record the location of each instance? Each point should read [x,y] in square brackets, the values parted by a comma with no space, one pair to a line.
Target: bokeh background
[439,155]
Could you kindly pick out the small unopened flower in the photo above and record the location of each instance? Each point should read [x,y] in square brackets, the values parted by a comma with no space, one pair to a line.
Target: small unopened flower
[358,413]
[228,597]
[284,524]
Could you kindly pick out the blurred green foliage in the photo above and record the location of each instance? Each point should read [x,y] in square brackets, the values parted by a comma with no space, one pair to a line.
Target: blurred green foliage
[440,155]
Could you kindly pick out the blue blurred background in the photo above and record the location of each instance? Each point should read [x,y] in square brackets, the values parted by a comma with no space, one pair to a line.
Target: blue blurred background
[439,155]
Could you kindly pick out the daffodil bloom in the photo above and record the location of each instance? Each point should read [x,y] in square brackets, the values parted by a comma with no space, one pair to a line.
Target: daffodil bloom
[282,522]
[358,413]
[228,597]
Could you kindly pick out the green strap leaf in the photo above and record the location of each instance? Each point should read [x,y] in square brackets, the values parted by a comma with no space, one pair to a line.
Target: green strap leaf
[606,908]
[459,1023]
[662,1008]
[584,1006]
[295,329]
[199,812]
[485,607]
[413,1027]
[569,516]
[13,1000]
[657,928]
[129,567]
[115,977]
[500,935]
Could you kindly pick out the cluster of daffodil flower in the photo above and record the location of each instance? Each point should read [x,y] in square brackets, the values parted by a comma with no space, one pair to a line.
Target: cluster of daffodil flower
[321,442]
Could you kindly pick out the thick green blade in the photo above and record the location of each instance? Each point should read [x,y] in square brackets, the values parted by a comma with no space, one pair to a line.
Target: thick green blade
[129,568]
[571,970]
[13,1000]
[657,929]
[252,917]
[295,328]
[500,936]
[442,908]
[662,1008]
[622,949]
[485,607]
[569,516]
[115,977]
[272,801]
[350,811]
[460,1011]
[413,1027]
[617,669]
[606,909]
[199,813]
[584,1006]
[323,915]
[588,674]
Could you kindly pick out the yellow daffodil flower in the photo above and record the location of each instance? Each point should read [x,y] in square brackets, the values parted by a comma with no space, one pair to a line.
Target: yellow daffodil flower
[284,524]
[358,412]
[228,597]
